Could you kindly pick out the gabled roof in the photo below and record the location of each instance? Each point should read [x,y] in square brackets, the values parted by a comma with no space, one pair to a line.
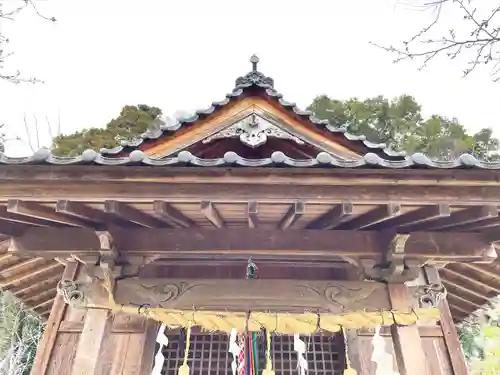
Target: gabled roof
[255,84]
[253,99]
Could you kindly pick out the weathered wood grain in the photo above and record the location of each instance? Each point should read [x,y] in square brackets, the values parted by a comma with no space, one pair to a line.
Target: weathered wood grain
[255,295]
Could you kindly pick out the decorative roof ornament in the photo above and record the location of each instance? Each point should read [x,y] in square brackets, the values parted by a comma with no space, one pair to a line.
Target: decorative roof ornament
[254,77]
[253,131]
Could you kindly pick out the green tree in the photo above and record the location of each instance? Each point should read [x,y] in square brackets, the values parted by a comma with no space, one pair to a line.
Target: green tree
[400,124]
[20,333]
[131,123]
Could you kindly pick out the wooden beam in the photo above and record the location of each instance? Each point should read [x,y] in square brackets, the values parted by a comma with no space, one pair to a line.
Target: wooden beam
[253,214]
[11,228]
[38,211]
[465,289]
[332,218]
[491,234]
[21,219]
[20,264]
[482,270]
[38,283]
[425,213]
[469,215]
[81,211]
[212,214]
[257,295]
[46,302]
[96,330]
[165,211]
[461,309]
[408,349]
[177,242]
[48,291]
[131,214]
[450,334]
[297,209]
[475,281]
[464,300]
[372,217]
[28,274]
[53,189]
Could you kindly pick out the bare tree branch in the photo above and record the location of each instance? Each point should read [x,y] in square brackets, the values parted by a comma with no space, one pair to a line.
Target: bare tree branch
[477,36]
[9,15]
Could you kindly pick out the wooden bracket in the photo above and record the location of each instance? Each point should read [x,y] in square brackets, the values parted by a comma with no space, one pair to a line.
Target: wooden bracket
[393,267]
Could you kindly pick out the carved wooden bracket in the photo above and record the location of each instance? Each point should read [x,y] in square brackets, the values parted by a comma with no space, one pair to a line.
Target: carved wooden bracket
[393,268]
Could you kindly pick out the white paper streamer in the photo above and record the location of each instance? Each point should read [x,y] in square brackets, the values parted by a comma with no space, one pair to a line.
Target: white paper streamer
[234,349]
[159,358]
[300,347]
[383,359]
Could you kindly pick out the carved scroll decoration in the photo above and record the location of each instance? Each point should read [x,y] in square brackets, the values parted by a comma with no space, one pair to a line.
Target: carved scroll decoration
[256,295]
[253,131]
[71,292]
[430,295]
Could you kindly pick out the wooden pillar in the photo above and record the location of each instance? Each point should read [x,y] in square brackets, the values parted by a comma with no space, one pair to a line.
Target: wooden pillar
[96,330]
[408,348]
[90,341]
[48,341]
[450,335]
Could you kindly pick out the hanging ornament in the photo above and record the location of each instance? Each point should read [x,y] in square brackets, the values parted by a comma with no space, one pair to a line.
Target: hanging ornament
[383,359]
[251,269]
[159,358]
[348,370]
[184,369]
[300,347]
[269,364]
[234,349]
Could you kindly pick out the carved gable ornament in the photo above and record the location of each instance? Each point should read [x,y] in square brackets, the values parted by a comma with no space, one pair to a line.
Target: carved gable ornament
[253,131]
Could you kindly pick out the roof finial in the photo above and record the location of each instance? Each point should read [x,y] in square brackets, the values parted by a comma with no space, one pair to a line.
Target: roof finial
[254,60]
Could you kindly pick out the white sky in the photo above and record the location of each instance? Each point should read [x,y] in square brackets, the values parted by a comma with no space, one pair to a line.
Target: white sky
[182,55]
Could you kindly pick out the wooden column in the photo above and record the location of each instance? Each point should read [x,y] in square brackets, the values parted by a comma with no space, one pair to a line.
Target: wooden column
[450,335]
[96,330]
[91,341]
[408,348]
[48,342]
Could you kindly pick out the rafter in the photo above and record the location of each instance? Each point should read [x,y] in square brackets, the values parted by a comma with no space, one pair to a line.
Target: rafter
[461,309]
[22,263]
[44,303]
[471,280]
[212,214]
[6,215]
[465,289]
[295,212]
[476,306]
[34,286]
[469,215]
[131,214]
[482,270]
[165,211]
[81,211]
[252,214]
[413,217]
[35,210]
[28,274]
[332,218]
[374,216]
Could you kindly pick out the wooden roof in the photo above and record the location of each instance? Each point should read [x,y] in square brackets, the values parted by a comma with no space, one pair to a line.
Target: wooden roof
[177,179]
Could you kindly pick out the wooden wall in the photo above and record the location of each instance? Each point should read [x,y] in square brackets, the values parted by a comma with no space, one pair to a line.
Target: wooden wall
[127,350]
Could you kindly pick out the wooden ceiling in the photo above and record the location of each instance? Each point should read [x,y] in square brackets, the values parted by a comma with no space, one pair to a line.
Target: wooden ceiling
[34,280]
